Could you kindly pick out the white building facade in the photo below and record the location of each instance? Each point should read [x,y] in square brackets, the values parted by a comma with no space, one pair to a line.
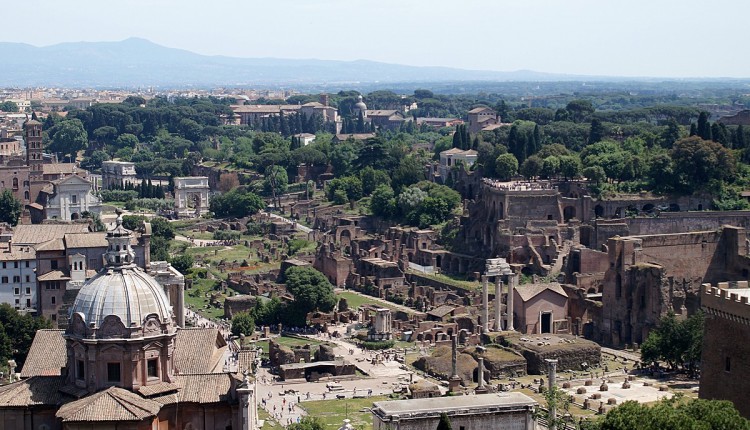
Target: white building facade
[71,197]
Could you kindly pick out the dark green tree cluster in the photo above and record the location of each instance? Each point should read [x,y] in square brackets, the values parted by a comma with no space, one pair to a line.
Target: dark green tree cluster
[677,343]
[243,324]
[237,203]
[8,106]
[311,291]
[162,232]
[17,331]
[10,207]
[462,138]
[676,413]
[344,190]
[423,204]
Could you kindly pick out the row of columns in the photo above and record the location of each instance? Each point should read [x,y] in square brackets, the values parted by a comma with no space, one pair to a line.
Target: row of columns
[512,283]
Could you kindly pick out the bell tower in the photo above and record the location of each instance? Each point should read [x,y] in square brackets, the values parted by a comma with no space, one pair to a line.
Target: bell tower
[33,137]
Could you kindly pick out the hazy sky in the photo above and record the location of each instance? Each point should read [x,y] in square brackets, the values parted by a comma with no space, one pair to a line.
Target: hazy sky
[661,38]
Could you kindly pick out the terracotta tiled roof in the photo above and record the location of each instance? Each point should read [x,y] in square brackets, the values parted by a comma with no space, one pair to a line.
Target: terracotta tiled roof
[199,351]
[37,390]
[208,388]
[47,354]
[479,109]
[244,361]
[55,244]
[86,240]
[28,234]
[60,168]
[529,291]
[17,253]
[55,275]
[112,404]
[160,388]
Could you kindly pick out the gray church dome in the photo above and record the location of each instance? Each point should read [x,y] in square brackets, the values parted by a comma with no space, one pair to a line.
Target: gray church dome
[360,104]
[121,289]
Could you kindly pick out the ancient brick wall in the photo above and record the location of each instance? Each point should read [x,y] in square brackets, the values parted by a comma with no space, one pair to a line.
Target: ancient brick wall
[724,364]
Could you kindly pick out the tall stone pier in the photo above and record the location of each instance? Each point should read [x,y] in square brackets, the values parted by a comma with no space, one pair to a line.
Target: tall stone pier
[498,304]
[485,305]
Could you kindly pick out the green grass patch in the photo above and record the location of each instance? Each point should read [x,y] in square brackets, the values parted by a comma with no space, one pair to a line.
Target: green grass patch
[290,342]
[355,300]
[451,280]
[198,299]
[333,412]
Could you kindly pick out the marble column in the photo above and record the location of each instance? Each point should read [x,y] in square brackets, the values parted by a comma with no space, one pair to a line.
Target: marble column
[485,305]
[498,304]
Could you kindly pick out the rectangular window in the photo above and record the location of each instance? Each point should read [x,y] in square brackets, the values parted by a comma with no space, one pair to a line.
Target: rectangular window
[74,199]
[4,279]
[727,365]
[16,279]
[16,291]
[152,367]
[5,265]
[28,303]
[53,299]
[28,279]
[113,372]
[54,317]
[15,264]
[80,370]
[28,291]
[27,264]
[53,264]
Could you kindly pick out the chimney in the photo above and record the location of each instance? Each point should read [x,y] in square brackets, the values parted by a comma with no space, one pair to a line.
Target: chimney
[10,246]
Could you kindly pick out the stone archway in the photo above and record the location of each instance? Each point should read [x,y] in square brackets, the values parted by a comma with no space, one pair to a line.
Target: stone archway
[598,211]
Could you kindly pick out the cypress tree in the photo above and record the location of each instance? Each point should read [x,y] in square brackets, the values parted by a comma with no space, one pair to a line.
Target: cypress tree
[457,138]
[150,189]
[467,138]
[704,128]
[142,191]
[739,139]
[360,123]
[445,422]
[693,129]
[537,140]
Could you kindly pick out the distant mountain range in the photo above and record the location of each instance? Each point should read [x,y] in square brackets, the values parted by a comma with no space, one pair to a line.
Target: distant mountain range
[139,62]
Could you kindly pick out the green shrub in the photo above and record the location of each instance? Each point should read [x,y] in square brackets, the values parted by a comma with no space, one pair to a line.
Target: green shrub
[377,344]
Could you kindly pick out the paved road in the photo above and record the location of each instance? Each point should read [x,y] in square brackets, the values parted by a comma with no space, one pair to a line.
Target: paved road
[294,224]
[381,380]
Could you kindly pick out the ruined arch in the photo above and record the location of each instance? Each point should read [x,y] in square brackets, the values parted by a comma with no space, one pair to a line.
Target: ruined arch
[598,211]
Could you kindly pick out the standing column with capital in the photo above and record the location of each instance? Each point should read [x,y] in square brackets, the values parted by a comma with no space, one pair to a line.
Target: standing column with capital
[498,304]
[485,305]
[512,283]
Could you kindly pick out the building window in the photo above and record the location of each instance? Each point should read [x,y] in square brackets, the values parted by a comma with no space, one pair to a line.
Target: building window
[74,199]
[53,299]
[113,372]
[152,368]
[727,364]
[15,264]
[28,279]
[16,279]
[80,370]
[4,279]
[28,303]
[16,291]
[28,290]
[27,264]
[53,264]
[5,265]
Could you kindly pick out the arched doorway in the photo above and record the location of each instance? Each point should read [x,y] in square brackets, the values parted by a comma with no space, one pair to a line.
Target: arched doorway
[598,211]
[569,213]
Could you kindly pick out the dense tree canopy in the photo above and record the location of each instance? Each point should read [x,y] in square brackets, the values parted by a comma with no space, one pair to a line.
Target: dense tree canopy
[676,413]
[311,291]
[10,207]
[17,331]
